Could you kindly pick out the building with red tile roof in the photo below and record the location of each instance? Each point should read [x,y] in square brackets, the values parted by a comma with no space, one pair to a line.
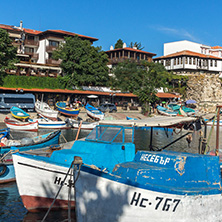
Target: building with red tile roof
[187,58]
[34,49]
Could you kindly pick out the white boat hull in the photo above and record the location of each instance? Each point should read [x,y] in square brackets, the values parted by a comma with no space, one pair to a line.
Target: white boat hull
[44,110]
[95,116]
[100,199]
[85,125]
[21,126]
[38,192]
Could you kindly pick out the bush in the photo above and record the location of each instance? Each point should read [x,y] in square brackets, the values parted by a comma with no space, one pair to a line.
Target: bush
[29,82]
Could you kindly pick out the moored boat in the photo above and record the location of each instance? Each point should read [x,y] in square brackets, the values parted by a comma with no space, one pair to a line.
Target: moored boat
[7,173]
[67,111]
[21,126]
[94,113]
[44,109]
[82,124]
[104,147]
[162,186]
[166,112]
[18,113]
[45,123]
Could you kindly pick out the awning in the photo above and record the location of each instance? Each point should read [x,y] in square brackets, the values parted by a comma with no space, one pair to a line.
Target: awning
[14,35]
[92,96]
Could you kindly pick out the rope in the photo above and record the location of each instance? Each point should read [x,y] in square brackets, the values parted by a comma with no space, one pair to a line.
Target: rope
[64,137]
[9,152]
[211,129]
[70,185]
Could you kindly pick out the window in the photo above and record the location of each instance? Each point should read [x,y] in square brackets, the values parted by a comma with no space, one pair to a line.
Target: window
[18,100]
[174,61]
[211,62]
[29,50]
[190,61]
[53,43]
[186,60]
[215,63]
[194,61]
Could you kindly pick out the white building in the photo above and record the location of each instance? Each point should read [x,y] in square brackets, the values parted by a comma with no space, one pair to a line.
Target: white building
[34,49]
[186,57]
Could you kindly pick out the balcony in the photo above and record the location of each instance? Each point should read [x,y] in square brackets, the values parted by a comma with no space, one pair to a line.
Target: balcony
[51,48]
[53,61]
[33,55]
[31,42]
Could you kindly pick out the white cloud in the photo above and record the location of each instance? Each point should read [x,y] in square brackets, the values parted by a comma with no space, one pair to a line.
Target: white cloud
[177,32]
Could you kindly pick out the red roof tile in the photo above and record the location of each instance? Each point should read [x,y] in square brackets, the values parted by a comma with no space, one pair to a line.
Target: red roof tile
[216,47]
[70,34]
[131,49]
[187,53]
[167,95]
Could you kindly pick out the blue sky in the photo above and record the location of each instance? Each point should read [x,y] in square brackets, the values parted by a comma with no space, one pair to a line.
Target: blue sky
[151,22]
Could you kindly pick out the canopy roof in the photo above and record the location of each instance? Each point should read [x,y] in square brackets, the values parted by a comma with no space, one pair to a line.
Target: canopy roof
[159,121]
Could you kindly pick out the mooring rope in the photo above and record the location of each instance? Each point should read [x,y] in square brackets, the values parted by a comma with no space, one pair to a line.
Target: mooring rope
[74,162]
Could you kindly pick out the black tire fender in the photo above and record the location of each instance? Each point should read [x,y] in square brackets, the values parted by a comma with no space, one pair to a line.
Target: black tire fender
[3,169]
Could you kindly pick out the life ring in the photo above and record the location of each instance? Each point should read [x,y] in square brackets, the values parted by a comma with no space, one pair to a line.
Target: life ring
[3,169]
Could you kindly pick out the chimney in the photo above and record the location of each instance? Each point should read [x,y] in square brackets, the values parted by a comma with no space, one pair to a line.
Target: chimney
[111,47]
[124,45]
[20,27]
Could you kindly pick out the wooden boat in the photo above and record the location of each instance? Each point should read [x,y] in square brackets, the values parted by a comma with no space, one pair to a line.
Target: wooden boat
[7,173]
[166,112]
[18,113]
[67,111]
[106,146]
[84,125]
[45,123]
[21,126]
[44,109]
[94,113]
[163,186]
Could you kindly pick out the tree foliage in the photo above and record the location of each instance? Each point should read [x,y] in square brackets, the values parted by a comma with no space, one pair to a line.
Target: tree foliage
[119,44]
[7,53]
[138,45]
[143,79]
[82,63]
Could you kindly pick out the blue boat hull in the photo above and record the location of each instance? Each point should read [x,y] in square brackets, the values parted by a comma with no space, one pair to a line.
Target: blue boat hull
[7,173]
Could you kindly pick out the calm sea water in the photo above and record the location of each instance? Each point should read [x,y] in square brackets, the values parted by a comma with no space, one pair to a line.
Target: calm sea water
[11,207]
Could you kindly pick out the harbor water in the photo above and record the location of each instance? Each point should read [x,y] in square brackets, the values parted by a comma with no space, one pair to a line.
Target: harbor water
[11,207]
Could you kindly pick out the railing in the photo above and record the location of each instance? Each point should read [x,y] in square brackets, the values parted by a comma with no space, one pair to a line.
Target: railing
[31,42]
[50,48]
[53,61]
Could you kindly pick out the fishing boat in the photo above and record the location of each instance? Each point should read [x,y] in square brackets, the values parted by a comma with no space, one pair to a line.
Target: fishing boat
[166,112]
[44,109]
[182,110]
[18,113]
[162,186]
[94,113]
[84,125]
[45,123]
[21,126]
[7,173]
[106,146]
[67,111]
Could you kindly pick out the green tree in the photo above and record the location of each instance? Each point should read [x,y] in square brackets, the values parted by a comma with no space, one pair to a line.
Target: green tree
[138,45]
[82,63]
[119,44]
[143,79]
[7,54]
